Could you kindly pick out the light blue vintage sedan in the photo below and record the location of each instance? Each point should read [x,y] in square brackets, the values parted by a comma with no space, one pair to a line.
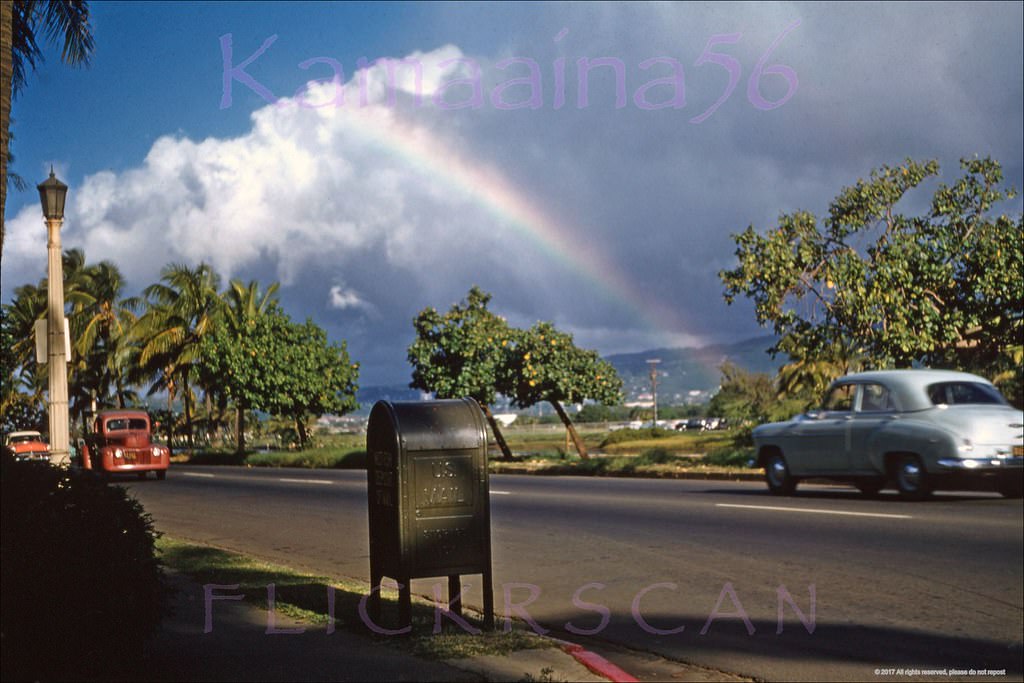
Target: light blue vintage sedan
[919,429]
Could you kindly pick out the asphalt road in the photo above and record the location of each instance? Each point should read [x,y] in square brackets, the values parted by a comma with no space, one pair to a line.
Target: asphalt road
[691,570]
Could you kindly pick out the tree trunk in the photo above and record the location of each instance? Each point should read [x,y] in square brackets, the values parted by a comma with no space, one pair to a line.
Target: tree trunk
[300,429]
[211,426]
[239,429]
[186,394]
[170,418]
[506,453]
[577,441]
[6,75]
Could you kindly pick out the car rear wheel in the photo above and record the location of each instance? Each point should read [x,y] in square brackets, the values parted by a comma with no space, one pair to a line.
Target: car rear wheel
[161,474]
[911,478]
[776,475]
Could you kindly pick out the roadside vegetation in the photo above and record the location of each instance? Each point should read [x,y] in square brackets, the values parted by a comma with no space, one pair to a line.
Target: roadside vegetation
[81,582]
[623,452]
[302,598]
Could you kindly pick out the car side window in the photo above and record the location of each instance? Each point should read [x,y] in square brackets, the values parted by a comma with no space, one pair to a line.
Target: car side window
[840,399]
[875,398]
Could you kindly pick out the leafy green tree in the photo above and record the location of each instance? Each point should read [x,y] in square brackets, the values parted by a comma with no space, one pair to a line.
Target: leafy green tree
[319,378]
[246,363]
[263,361]
[64,21]
[245,304]
[181,309]
[461,354]
[594,412]
[869,286]
[746,399]
[543,364]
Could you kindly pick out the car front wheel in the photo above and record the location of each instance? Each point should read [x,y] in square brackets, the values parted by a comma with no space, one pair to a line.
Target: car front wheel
[911,478]
[776,474]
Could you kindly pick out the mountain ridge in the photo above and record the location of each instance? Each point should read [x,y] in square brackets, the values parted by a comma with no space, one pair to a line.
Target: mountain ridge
[685,375]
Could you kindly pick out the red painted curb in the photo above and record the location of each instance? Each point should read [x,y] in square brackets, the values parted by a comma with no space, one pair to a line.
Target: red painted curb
[595,662]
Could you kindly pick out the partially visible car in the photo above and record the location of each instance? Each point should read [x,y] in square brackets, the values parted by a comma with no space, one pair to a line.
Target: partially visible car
[121,441]
[27,445]
[921,430]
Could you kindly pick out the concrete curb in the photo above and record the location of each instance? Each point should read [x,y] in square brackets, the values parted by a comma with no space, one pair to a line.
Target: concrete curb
[595,662]
[569,472]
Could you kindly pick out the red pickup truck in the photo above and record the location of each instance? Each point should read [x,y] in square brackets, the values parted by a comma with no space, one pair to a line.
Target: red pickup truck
[121,442]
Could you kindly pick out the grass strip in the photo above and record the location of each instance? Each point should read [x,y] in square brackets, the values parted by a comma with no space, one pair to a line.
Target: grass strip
[303,597]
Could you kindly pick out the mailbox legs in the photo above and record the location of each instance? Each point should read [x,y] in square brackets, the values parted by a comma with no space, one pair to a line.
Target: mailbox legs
[488,600]
[455,595]
[405,599]
[405,602]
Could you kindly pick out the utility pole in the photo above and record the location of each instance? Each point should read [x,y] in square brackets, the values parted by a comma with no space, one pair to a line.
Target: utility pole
[653,362]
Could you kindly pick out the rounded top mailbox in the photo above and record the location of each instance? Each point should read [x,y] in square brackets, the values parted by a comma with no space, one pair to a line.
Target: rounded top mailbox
[426,426]
[427,488]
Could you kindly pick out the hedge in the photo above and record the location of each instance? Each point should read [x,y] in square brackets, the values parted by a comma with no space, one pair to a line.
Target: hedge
[82,588]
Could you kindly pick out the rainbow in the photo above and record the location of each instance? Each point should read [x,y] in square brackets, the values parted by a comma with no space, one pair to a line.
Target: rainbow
[489,189]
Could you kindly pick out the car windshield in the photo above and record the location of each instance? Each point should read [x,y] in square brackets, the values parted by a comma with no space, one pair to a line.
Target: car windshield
[960,393]
[24,438]
[120,424]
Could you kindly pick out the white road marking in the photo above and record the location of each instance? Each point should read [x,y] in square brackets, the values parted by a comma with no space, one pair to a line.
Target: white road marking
[306,481]
[502,493]
[814,511]
[197,474]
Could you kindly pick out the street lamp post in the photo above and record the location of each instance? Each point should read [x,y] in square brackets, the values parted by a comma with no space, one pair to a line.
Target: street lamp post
[52,194]
[653,363]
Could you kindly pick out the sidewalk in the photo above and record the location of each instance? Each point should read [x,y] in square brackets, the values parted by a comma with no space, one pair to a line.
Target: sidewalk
[238,648]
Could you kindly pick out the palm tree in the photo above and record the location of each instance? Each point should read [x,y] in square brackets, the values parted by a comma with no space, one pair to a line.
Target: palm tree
[102,318]
[182,308]
[28,306]
[65,21]
[27,382]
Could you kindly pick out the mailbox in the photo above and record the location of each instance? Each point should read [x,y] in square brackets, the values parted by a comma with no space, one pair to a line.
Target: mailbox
[428,497]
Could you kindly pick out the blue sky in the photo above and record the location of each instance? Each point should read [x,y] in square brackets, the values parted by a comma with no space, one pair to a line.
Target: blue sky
[610,219]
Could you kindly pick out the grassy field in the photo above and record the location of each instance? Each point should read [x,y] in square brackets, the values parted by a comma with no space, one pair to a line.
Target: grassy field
[630,452]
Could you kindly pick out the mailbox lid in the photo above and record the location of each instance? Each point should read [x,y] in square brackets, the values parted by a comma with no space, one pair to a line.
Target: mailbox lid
[441,425]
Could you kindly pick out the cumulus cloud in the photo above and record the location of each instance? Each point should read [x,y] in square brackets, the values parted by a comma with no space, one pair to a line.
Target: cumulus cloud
[369,201]
[343,298]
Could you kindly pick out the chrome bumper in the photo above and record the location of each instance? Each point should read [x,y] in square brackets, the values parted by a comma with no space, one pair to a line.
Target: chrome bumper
[981,464]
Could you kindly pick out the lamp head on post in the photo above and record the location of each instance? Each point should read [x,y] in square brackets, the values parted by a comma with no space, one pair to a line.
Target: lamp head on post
[52,194]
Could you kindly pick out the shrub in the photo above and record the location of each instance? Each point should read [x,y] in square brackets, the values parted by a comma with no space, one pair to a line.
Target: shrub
[656,456]
[354,460]
[217,457]
[81,584]
[623,435]
[730,456]
[319,458]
